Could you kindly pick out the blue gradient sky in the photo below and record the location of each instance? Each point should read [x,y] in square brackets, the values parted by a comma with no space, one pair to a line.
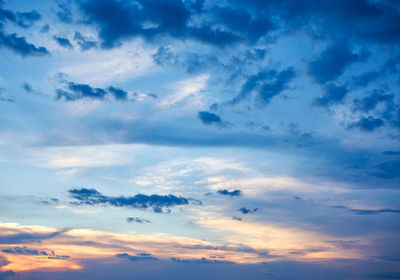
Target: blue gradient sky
[196,139]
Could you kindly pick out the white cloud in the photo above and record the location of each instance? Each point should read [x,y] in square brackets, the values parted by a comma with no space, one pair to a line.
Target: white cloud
[100,67]
[184,89]
[71,158]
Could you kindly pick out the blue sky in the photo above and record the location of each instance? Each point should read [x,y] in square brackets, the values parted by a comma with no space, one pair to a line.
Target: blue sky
[216,139]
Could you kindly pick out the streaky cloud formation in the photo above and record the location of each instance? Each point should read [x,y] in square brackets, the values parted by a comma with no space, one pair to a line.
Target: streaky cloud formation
[138,257]
[137,220]
[230,193]
[140,201]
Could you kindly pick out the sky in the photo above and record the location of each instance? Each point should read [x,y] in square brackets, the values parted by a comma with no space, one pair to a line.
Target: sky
[200,139]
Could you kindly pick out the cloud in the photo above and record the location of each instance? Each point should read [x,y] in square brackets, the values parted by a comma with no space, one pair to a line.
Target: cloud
[201,260]
[24,251]
[365,79]
[210,118]
[20,46]
[333,94]
[370,102]
[236,218]
[63,42]
[84,42]
[117,21]
[79,91]
[230,193]
[246,210]
[27,19]
[388,170]
[16,43]
[64,12]
[268,83]
[140,201]
[74,91]
[365,212]
[119,94]
[332,62]
[152,19]
[33,252]
[26,237]
[185,89]
[137,257]
[137,220]
[279,83]
[367,124]
[23,19]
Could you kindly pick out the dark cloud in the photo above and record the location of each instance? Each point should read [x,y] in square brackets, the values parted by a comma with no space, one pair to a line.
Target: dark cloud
[246,210]
[210,118]
[74,91]
[388,170]
[332,62]
[278,84]
[137,257]
[118,93]
[367,124]
[121,20]
[64,12]
[230,193]
[23,19]
[117,21]
[333,94]
[16,43]
[365,79]
[84,42]
[33,252]
[201,260]
[361,19]
[242,22]
[45,28]
[365,212]
[221,23]
[140,201]
[50,201]
[24,251]
[63,42]
[268,83]
[137,220]
[18,238]
[27,87]
[20,46]
[370,102]
[236,218]
[27,19]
